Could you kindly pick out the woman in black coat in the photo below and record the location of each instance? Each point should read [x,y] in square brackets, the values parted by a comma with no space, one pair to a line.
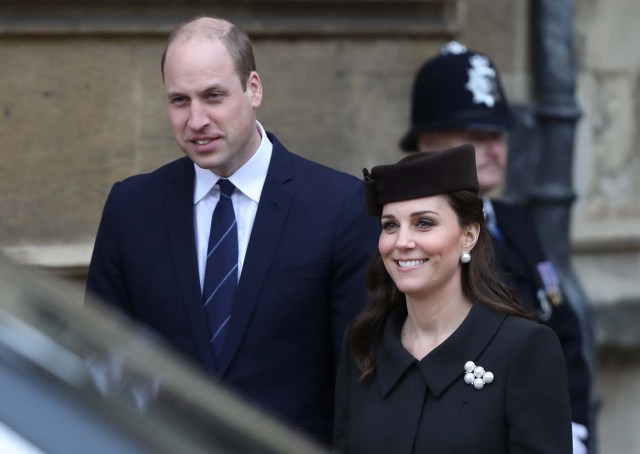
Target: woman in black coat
[444,360]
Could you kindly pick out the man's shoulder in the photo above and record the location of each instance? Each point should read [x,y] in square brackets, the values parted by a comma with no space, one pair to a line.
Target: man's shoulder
[513,214]
[174,179]
[509,206]
[517,224]
[305,169]
[180,167]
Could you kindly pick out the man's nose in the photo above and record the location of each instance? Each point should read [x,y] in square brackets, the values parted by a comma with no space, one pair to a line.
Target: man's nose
[496,144]
[198,118]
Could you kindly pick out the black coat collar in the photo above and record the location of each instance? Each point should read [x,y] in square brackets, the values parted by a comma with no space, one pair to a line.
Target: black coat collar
[446,362]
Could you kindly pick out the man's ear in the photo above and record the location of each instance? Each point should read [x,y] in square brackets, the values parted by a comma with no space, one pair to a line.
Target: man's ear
[254,89]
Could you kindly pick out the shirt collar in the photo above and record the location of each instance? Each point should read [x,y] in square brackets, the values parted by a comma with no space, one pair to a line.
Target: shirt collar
[248,179]
[488,208]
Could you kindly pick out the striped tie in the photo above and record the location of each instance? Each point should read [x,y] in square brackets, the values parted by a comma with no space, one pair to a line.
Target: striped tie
[221,272]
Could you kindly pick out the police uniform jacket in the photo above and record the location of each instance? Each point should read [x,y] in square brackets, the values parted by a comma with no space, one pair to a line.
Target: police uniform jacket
[411,406]
[519,253]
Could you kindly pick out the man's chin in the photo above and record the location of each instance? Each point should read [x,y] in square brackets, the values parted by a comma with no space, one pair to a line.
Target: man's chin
[203,162]
[489,181]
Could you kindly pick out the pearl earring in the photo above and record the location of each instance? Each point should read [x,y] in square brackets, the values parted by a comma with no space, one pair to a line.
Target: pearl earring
[465,257]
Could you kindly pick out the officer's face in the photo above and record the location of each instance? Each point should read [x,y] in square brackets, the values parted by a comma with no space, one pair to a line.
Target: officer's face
[491,151]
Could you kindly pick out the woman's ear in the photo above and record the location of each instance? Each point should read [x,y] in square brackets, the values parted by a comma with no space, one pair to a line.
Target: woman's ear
[470,235]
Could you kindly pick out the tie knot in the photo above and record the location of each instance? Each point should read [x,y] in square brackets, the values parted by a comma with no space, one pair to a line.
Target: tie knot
[226,187]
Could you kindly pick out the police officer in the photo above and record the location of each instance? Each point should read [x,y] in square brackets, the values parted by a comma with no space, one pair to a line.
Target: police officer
[458,98]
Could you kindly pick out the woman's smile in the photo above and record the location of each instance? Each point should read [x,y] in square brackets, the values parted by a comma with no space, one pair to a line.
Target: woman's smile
[411,263]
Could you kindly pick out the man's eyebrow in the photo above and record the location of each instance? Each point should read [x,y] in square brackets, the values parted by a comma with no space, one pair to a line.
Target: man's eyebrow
[205,90]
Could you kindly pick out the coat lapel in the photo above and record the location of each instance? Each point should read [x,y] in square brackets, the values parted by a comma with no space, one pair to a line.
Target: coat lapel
[392,359]
[439,369]
[179,220]
[445,363]
[272,212]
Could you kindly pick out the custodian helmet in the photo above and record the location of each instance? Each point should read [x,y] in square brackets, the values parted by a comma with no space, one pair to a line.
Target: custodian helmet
[458,88]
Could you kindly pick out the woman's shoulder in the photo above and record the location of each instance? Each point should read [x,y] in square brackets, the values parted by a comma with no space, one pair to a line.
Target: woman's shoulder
[511,331]
[524,335]
[525,326]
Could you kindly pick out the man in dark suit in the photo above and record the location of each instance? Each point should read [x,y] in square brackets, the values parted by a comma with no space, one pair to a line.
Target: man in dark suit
[458,98]
[294,247]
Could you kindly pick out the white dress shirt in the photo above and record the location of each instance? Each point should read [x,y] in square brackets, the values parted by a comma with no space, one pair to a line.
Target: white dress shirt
[249,181]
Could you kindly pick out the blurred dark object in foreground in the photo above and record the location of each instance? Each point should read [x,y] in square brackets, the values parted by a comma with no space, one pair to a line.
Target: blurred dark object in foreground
[80,379]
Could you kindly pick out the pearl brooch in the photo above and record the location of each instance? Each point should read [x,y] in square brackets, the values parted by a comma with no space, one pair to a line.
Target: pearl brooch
[476,375]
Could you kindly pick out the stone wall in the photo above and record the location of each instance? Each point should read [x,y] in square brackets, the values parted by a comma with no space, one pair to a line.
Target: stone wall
[606,218]
[82,106]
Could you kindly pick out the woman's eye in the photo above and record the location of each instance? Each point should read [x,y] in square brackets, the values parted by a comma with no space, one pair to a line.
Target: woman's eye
[389,225]
[424,223]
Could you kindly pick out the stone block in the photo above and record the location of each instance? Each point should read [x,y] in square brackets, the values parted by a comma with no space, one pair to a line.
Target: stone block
[76,116]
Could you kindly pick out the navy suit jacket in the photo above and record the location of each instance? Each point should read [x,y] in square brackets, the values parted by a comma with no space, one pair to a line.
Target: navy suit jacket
[301,285]
[519,254]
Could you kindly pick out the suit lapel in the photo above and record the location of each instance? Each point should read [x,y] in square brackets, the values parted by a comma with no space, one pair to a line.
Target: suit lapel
[272,212]
[179,220]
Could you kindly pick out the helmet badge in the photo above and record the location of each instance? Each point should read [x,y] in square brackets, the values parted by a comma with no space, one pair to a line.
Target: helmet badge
[453,48]
[482,81]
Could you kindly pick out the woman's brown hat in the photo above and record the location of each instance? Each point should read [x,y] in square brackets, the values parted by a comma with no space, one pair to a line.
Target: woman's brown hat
[419,175]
